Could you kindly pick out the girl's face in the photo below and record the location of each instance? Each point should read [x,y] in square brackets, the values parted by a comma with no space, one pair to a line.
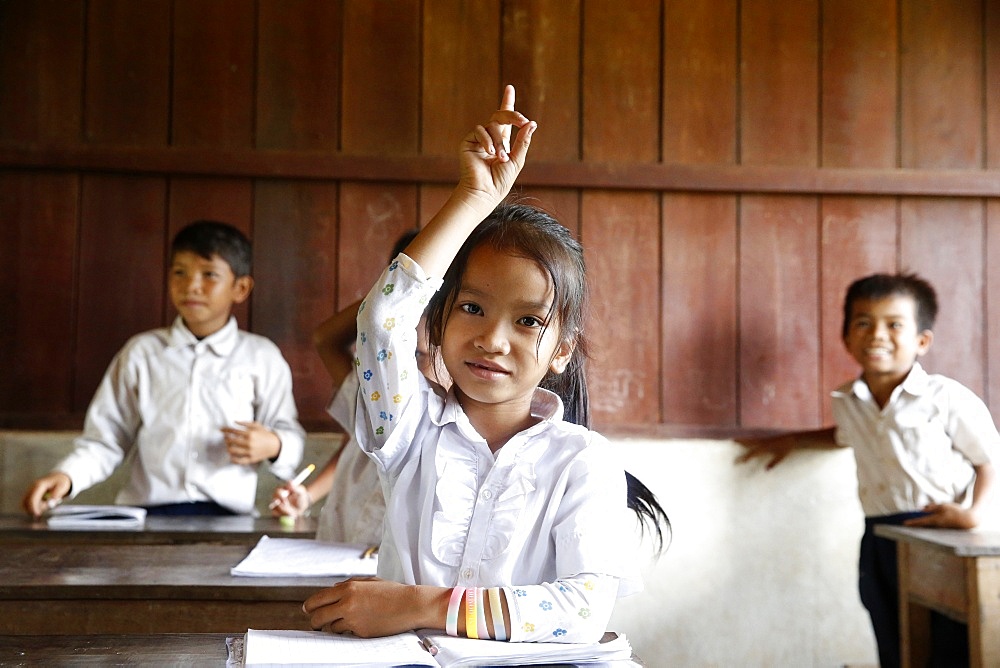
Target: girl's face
[490,343]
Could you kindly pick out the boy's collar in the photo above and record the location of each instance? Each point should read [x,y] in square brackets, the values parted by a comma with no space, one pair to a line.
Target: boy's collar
[915,383]
[221,342]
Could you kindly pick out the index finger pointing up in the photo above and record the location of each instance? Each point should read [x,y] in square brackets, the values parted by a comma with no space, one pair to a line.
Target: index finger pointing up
[507,103]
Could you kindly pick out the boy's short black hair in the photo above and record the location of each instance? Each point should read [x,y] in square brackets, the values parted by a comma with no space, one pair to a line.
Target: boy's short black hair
[879,286]
[206,238]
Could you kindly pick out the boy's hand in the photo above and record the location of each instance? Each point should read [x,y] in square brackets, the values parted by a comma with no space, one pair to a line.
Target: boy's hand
[290,500]
[777,448]
[489,161]
[46,490]
[945,516]
[252,444]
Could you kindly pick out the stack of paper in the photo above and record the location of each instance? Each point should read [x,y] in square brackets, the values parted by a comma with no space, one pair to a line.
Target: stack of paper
[412,649]
[96,517]
[305,557]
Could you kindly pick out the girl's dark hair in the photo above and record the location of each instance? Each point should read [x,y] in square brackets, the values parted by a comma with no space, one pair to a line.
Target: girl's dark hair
[527,231]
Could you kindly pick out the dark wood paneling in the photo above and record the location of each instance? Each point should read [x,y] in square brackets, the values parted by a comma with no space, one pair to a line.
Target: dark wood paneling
[213,76]
[41,70]
[127,96]
[992,101]
[699,319]
[293,223]
[859,237]
[992,299]
[944,241]
[298,74]
[37,261]
[541,58]
[226,200]
[779,313]
[122,278]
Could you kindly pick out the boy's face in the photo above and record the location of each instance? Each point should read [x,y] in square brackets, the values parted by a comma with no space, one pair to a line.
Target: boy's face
[882,335]
[204,291]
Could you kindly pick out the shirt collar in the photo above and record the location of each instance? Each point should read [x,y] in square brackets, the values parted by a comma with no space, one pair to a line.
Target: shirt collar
[915,383]
[220,343]
[444,407]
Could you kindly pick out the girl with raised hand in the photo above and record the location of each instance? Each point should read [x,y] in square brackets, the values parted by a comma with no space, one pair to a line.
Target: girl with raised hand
[503,520]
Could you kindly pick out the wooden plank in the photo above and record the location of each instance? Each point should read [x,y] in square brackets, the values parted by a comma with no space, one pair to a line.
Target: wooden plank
[293,223]
[859,80]
[859,237]
[122,278]
[381,90]
[461,84]
[992,302]
[298,74]
[699,82]
[620,81]
[992,65]
[699,319]
[541,58]
[213,73]
[983,577]
[127,98]
[226,200]
[38,230]
[624,336]
[779,313]
[941,73]
[779,82]
[41,71]
[943,241]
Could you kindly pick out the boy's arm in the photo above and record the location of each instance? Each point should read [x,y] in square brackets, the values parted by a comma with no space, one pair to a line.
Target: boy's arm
[954,516]
[780,446]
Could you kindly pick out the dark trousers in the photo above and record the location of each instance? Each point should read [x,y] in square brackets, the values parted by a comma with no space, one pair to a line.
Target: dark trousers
[878,583]
[188,509]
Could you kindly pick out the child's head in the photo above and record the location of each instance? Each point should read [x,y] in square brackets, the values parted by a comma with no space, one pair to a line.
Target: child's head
[888,320]
[522,266]
[209,273]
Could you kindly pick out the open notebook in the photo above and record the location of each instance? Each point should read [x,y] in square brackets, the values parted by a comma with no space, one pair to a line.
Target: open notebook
[412,649]
[291,557]
[78,516]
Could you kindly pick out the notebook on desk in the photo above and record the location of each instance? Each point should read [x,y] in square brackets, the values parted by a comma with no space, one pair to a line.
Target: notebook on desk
[414,649]
[305,557]
[78,516]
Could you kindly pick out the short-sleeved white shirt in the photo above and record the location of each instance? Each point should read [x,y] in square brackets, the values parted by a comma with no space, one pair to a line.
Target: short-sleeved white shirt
[921,447]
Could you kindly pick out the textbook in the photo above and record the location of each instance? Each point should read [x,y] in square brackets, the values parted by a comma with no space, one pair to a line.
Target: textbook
[425,649]
[306,557]
[81,516]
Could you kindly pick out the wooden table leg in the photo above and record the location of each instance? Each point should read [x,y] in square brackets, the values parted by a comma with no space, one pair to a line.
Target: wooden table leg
[983,578]
[914,619]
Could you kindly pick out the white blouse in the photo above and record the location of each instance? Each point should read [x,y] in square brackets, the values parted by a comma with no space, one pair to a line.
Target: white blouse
[546,515]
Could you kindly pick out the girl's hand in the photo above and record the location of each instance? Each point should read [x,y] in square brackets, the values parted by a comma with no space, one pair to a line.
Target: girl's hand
[290,500]
[371,607]
[489,161]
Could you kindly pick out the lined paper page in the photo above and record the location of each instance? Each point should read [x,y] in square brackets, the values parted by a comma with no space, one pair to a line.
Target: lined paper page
[277,557]
[316,647]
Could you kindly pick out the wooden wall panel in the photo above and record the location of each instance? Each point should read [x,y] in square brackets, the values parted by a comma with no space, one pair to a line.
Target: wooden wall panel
[779,314]
[293,223]
[226,200]
[859,238]
[461,70]
[298,74]
[943,241]
[127,96]
[541,58]
[121,274]
[213,74]
[41,70]
[37,262]
[779,80]
[992,362]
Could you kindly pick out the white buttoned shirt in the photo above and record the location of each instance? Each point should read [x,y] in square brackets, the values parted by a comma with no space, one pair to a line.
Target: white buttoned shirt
[918,449]
[163,402]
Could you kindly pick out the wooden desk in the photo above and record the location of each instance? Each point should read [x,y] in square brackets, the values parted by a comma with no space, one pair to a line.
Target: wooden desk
[134,589]
[953,572]
[232,530]
[181,649]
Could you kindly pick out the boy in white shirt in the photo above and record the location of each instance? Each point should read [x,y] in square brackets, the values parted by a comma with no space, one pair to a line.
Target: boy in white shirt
[195,406]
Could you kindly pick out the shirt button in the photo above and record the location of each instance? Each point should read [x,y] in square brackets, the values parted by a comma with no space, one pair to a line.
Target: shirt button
[467,574]
[487,494]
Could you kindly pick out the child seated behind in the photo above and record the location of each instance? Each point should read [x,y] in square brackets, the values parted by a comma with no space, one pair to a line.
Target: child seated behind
[924,444]
[196,406]
[355,505]
[503,520]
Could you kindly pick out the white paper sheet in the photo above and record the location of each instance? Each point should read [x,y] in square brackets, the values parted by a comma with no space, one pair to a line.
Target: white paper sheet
[278,557]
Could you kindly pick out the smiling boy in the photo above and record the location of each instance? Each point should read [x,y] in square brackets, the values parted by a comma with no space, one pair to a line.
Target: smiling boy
[924,444]
[201,402]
